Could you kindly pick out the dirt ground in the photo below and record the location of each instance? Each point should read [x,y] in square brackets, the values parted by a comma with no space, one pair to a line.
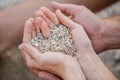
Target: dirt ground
[12,66]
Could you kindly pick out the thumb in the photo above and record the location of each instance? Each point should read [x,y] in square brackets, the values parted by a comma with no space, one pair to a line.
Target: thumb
[48,76]
[30,50]
[68,9]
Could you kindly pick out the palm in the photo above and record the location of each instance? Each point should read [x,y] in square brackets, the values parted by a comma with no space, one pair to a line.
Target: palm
[90,22]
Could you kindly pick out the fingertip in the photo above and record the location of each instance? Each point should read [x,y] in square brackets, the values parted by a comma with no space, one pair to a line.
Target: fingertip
[40,19]
[22,47]
[37,13]
[54,4]
[48,13]
[26,47]
[31,19]
[65,20]
[43,8]
[28,23]
[27,31]
[44,24]
[58,11]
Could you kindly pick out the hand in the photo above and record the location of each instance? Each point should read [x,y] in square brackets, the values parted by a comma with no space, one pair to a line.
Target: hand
[93,25]
[42,22]
[56,63]
[32,28]
[32,65]
[87,58]
[81,41]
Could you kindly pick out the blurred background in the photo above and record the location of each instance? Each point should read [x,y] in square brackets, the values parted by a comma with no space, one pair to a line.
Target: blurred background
[12,66]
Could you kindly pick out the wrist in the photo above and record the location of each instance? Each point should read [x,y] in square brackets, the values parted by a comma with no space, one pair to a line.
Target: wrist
[111,33]
[72,70]
[91,63]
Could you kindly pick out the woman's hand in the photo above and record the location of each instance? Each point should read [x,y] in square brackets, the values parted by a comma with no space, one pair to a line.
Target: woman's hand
[33,28]
[91,65]
[77,31]
[87,58]
[29,33]
[60,64]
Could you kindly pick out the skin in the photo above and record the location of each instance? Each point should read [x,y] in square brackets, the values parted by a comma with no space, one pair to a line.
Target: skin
[58,65]
[102,32]
[91,65]
[13,35]
[41,66]
[87,58]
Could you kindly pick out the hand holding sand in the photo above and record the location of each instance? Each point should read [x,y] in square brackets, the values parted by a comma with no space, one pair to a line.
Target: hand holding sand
[35,28]
[51,60]
[85,53]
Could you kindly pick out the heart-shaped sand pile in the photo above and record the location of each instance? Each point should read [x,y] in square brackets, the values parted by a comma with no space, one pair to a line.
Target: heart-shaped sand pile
[60,40]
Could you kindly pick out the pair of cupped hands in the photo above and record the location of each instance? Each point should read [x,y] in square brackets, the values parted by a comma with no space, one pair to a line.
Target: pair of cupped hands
[83,25]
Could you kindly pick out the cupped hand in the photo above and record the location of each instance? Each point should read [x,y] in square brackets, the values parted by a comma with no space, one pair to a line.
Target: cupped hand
[82,41]
[89,62]
[80,37]
[29,33]
[60,64]
[92,24]
[45,19]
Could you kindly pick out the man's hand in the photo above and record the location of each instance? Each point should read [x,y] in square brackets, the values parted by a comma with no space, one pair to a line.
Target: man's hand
[81,39]
[104,33]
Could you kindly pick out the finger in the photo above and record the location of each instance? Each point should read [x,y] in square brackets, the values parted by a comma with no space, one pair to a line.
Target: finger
[37,29]
[65,20]
[48,76]
[50,15]
[34,32]
[39,22]
[35,71]
[65,8]
[29,60]
[32,51]
[44,17]
[31,63]
[23,55]
[27,35]
[80,13]
[45,30]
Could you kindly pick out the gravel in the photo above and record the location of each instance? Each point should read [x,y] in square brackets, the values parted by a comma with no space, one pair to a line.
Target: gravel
[60,40]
